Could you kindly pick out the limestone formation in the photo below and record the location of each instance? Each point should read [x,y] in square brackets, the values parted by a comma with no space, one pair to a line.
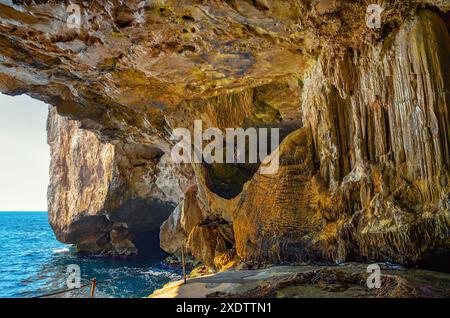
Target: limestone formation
[364,116]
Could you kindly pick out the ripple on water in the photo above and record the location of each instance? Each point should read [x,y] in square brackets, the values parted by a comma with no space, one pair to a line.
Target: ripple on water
[33,263]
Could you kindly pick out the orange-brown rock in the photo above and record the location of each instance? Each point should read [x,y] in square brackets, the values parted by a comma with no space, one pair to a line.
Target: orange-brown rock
[388,166]
[364,114]
[274,222]
[208,238]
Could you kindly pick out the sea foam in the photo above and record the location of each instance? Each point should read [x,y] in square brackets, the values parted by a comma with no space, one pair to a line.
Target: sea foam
[61,250]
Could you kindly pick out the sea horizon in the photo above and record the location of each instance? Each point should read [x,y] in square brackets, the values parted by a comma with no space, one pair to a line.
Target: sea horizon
[24,211]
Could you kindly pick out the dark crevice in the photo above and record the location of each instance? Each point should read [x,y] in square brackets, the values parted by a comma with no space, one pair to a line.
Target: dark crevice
[227,179]
[436,262]
[444,15]
[148,245]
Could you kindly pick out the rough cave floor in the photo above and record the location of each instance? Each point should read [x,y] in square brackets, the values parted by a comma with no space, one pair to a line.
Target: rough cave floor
[343,281]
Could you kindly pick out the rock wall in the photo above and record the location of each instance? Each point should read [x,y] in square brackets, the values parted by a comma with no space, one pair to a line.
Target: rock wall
[363,113]
[389,167]
[379,128]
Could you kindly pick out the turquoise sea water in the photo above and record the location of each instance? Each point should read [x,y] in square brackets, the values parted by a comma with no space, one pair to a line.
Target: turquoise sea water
[33,263]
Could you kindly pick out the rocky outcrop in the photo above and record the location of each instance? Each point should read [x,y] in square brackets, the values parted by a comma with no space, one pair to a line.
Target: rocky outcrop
[363,114]
[108,198]
[282,205]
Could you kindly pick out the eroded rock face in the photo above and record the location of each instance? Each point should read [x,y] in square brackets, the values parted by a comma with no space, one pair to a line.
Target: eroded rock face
[281,204]
[108,198]
[363,113]
[389,168]
[81,171]
[380,131]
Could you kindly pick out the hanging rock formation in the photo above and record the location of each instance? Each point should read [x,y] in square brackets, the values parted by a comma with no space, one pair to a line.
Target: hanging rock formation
[364,118]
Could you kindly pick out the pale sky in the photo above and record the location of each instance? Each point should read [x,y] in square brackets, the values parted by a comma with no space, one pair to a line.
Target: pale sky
[24,154]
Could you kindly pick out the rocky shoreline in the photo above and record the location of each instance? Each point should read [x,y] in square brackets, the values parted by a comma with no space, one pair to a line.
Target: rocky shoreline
[344,281]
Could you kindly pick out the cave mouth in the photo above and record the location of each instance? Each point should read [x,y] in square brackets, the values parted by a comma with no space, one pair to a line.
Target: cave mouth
[444,15]
[227,180]
[25,154]
[143,219]
[148,245]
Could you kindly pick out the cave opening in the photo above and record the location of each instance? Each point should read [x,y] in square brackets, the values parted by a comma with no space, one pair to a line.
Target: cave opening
[143,219]
[25,154]
[227,179]
[148,245]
